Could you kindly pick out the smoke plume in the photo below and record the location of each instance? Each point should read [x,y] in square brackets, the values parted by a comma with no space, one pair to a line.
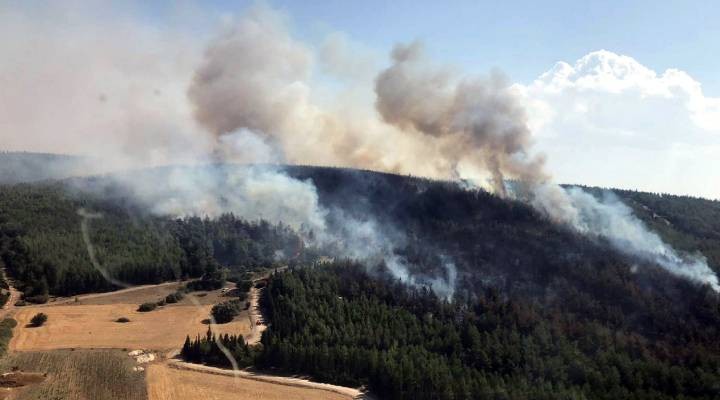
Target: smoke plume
[253,95]
[481,118]
[608,217]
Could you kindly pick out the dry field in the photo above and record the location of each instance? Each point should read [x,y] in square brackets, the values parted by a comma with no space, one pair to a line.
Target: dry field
[93,326]
[60,349]
[76,375]
[166,383]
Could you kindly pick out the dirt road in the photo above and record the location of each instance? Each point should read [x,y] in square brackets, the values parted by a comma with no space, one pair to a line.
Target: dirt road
[76,324]
[257,322]
[9,307]
[278,380]
[63,300]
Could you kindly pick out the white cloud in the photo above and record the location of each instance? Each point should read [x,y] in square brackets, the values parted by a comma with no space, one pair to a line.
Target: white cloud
[609,120]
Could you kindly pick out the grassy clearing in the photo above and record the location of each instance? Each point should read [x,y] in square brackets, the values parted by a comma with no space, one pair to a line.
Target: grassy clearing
[76,375]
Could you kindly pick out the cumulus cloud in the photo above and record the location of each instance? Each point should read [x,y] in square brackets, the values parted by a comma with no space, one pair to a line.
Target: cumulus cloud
[609,120]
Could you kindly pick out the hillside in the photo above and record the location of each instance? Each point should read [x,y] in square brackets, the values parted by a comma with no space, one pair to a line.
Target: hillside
[538,311]
[41,242]
[490,241]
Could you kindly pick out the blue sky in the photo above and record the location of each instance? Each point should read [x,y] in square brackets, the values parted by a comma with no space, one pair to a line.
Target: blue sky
[521,38]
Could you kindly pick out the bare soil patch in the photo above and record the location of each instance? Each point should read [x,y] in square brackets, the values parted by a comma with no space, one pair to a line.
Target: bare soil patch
[19,379]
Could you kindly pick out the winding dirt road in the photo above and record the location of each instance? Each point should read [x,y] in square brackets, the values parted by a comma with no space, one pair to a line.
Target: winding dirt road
[257,322]
[9,307]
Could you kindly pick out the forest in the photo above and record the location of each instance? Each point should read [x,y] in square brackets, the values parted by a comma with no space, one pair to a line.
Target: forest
[338,323]
[491,241]
[41,242]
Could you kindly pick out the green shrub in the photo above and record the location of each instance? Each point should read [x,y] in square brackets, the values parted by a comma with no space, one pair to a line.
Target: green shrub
[37,299]
[225,312]
[145,307]
[4,297]
[174,297]
[39,319]
[6,333]
[244,286]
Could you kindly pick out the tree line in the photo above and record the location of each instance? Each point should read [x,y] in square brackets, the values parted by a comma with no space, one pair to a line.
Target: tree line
[41,243]
[340,324]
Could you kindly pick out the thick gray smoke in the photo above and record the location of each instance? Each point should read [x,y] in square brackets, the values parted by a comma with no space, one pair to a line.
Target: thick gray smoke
[256,76]
[481,118]
[251,77]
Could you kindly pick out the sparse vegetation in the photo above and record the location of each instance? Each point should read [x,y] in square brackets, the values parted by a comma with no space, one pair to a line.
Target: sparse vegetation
[78,375]
[6,333]
[38,319]
[71,324]
[122,320]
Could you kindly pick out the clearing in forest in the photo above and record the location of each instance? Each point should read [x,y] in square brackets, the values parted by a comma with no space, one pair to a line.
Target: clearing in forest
[79,325]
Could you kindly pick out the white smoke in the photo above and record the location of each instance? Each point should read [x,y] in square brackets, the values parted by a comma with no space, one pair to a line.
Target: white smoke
[252,192]
[609,218]
[376,243]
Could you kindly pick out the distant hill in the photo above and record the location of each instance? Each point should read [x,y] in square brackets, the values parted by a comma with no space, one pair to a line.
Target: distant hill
[17,167]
